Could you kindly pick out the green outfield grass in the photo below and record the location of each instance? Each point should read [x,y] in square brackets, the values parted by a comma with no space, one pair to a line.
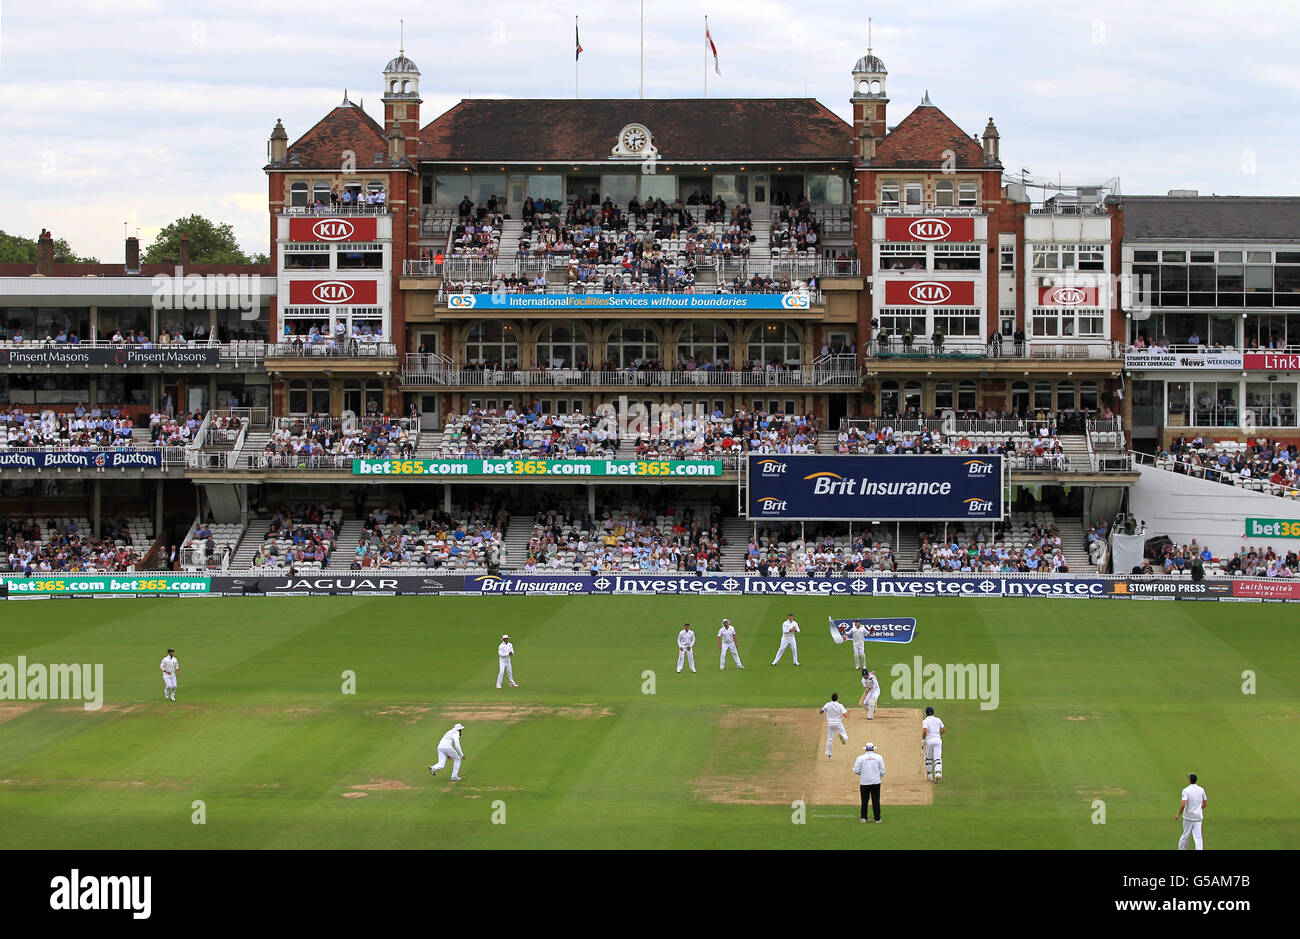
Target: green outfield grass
[1116,700]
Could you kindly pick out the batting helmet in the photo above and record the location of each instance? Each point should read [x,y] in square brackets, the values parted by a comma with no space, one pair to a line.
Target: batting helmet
[864,673]
[929,712]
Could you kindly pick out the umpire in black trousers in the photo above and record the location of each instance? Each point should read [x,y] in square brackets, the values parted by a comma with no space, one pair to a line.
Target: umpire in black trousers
[870,770]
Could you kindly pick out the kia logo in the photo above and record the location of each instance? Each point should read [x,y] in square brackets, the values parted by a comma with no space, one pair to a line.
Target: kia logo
[333,229]
[930,292]
[333,291]
[930,229]
[1069,296]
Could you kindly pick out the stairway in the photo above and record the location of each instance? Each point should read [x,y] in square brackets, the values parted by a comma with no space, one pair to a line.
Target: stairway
[1076,451]
[905,550]
[760,249]
[827,440]
[345,545]
[254,536]
[516,542]
[1076,555]
[254,442]
[736,532]
[508,247]
[428,445]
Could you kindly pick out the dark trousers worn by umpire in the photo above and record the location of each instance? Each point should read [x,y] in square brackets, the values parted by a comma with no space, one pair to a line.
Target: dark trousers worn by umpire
[871,794]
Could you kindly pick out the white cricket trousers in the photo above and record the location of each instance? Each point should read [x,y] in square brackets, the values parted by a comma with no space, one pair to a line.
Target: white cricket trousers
[831,731]
[688,655]
[859,655]
[1191,829]
[871,704]
[445,754]
[794,649]
[735,654]
[934,759]
[505,669]
[169,686]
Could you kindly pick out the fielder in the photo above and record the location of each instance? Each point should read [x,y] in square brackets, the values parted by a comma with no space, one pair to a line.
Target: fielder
[1192,812]
[686,646]
[932,744]
[504,669]
[727,640]
[449,749]
[788,631]
[870,692]
[858,633]
[834,712]
[169,666]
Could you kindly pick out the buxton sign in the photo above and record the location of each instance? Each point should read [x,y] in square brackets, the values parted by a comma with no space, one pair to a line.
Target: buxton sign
[80,459]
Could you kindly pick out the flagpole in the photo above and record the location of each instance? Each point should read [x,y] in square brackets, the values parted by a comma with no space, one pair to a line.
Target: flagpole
[706,56]
[576,56]
[642,48]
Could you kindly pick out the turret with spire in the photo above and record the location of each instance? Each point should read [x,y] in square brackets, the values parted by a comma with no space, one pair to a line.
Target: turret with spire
[402,93]
[869,98]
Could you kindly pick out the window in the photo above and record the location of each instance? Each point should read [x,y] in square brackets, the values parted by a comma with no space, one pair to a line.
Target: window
[320,193]
[492,343]
[731,189]
[619,187]
[775,343]
[902,256]
[957,323]
[485,187]
[889,193]
[912,193]
[1007,258]
[1092,258]
[298,195]
[1055,323]
[945,192]
[967,257]
[658,186]
[1042,396]
[450,191]
[305,257]
[704,342]
[562,345]
[826,189]
[1065,396]
[631,344]
[298,396]
[546,187]
[966,395]
[898,322]
[1088,396]
[943,396]
[967,193]
[320,396]
[361,257]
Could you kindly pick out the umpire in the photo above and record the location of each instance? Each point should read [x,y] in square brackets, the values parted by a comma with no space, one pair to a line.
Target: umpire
[870,770]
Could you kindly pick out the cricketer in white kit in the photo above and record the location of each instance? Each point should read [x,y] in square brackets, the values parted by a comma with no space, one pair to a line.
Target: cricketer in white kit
[686,646]
[834,712]
[504,669]
[932,743]
[858,634]
[1192,812]
[870,692]
[789,629]
[727,641]
[449,749]
[169,667]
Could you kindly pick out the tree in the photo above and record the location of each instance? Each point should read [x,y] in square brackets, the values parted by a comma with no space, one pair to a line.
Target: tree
[15,249]
[210,243]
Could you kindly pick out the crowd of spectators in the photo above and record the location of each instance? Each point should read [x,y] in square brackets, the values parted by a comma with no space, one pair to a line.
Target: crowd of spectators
[507,433]
[781,550]
[336,340]
[981,551]
[307,441]
[399,537]
[67,334]
[795,228]
[646,535]
[60,545]
[91,428]
[1247,465]
[477,233]
[742,431]
[1165,557]
[299,535]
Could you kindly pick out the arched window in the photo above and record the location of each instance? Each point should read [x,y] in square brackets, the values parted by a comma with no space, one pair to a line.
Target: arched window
[1065,396]
[1042,396]
[563,345]
[706,341]
[374,396]
[631,344]
[945,193]
[298,194]
[912,397]
[1020,397]
[888,398]
[320,192]
[1088,397]
[320,396]
[494,343]
[773,343]
[966,396]
[298,396]
[943,400]
[352,396]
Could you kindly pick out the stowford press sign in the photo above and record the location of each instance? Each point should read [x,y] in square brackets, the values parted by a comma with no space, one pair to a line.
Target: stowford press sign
[647,468]
[1272,528]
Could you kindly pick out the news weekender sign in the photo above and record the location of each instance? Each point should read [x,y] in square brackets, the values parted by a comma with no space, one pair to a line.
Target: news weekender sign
[920,487]
[80,459]
[897,629]
[640,468]
[69,354]
[628,301]
[1156,360]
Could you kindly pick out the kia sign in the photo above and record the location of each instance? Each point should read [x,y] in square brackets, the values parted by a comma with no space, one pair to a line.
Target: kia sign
[333,292]
[930,229]
[333,229]
[894,487]
[1069,296]
[900,292]
[1272,361]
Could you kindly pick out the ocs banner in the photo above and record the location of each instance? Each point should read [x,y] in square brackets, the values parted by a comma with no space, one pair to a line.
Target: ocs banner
[921,487]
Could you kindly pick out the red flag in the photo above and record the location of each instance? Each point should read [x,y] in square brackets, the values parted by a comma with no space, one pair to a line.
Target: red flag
[712,48]
[576,41]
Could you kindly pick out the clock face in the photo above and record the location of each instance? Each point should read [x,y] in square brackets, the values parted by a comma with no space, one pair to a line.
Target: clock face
[634,139]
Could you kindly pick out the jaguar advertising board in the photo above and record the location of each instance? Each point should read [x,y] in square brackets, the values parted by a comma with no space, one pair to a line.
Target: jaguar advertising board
[357,583]
[877,487]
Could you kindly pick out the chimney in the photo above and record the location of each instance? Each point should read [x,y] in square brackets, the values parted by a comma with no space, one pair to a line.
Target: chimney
[396,144]
[867,149]
[992,140]
[45,254]
[133,255]
[278,146]
[184,260]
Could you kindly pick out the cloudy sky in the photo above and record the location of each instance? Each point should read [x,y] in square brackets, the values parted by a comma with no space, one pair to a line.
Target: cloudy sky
[141,112]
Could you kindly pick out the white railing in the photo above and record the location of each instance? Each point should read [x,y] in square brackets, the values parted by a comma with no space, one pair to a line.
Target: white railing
[340,209]
[920,348]
[1215,474]
[950,210]
[484,270]
[418,374]
[347,348]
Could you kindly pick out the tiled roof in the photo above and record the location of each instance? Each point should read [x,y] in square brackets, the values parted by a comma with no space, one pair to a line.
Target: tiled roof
[347,127]
[62,269]
[1211,218]
[585,129]
[920,140]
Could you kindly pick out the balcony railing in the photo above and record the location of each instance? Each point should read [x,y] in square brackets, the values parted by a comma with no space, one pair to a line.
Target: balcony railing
[1068,209]
[940,210]
[348,348]
[339,209]
[978,349]
[105,352]
[476,269]
[417,374]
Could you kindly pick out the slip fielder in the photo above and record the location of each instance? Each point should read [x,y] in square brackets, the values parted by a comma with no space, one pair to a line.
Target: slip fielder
[870,692]
[788,631]
[169,667]
[449,749]
[858,633]
[932,744]
[686,646]
[834,712]
[727,640]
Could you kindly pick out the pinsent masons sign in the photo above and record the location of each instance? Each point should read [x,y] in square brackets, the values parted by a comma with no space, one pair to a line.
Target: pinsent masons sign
[68,354]
[334,292]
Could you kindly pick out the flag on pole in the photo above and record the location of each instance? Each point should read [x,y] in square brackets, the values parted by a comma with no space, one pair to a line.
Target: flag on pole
[576,42]
[712,48]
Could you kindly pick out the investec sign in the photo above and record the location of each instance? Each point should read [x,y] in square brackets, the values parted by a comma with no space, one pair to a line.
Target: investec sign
[918,487]
[901,292]
[333,292]
[333,229]
[930,229]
